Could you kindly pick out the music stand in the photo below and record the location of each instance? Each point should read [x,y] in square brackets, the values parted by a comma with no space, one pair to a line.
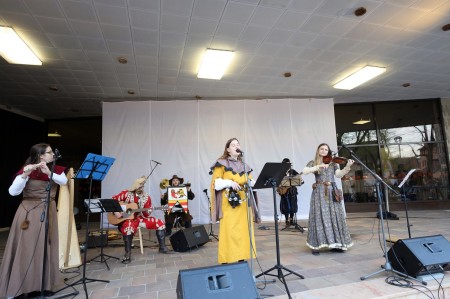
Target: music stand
[293,181]
[102,205]
[94,167]
[270,177]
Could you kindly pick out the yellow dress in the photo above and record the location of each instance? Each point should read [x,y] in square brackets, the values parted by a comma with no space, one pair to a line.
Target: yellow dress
[234,237]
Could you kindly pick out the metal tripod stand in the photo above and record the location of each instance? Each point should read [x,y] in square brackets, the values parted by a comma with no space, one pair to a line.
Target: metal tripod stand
[270,177]
[103,206]
[294,225]
[94,167]
[211,232]
[387,264]
[291,181]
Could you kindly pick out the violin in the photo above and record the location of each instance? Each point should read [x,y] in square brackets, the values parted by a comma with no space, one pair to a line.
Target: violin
[333,159]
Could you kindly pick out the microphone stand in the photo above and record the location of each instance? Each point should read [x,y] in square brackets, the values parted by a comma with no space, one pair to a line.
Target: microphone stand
[211,232]
[400,186]
[250,201]
[44,217]
[387,265]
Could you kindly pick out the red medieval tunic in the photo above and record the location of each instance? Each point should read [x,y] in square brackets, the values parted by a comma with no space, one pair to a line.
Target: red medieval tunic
[143,218]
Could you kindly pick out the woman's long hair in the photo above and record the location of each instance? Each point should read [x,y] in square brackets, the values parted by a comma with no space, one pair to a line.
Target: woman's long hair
[225,154]
[35,153]
[318,158]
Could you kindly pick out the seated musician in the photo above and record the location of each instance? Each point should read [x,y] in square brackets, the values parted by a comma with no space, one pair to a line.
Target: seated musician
[128,227]
[177,210]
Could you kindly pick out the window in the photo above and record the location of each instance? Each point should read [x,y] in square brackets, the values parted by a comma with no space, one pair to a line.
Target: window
[400,136]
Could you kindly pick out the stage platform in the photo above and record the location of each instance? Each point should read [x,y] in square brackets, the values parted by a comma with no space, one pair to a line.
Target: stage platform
[328,275]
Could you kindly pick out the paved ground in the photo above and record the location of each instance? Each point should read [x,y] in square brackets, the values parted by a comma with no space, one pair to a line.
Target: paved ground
[329,275]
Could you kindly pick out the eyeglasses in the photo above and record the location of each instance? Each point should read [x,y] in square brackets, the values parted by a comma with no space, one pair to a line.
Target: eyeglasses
[49,152]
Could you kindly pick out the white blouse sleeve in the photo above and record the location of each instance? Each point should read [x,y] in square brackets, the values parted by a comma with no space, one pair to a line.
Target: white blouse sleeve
[308,170]
[17,186]
[220,184]
[340,173]
[60,179]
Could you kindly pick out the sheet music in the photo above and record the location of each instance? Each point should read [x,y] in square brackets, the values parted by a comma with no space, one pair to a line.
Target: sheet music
[406,178]
[95,205]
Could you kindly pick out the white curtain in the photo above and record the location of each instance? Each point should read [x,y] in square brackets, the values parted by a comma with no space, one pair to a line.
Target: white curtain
[188,136]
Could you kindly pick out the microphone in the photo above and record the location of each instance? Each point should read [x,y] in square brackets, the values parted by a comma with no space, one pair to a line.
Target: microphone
[156,162]
[57,154]
[333,153]
[238,150]
[205,190]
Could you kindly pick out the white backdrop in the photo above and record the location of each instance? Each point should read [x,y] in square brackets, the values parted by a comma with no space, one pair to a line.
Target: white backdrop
[188,136]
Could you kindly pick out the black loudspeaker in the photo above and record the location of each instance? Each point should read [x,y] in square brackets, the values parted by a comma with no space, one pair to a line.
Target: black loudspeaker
[186,239]
[420,256]
[217,282]
[97,239]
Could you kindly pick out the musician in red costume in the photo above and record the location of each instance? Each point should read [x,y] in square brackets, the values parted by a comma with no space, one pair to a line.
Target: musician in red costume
[136,194]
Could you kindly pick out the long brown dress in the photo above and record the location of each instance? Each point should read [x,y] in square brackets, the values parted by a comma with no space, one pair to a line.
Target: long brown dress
[22,264]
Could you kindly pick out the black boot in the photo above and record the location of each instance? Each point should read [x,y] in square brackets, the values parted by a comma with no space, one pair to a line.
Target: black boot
[169,228]
[128,241]
[161,236]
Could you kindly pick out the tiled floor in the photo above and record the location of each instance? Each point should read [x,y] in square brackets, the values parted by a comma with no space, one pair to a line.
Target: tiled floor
[329,275]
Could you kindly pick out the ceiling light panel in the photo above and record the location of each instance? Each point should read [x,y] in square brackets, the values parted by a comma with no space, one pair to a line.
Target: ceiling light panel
[359,77]
[14,50]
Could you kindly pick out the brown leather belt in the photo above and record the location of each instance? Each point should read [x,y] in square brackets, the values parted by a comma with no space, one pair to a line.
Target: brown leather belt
[319,182]
[314,186]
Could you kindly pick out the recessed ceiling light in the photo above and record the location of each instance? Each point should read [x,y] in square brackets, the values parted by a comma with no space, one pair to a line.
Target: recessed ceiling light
[359,77]
[214,64]
[53,88]
[360,11]
[14,49]
[54,134]
[122,60]
[406,84]
[361,122]
[131,92]
[287,74]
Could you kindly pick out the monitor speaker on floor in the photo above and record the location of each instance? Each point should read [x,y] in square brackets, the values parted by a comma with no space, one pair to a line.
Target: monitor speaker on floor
[420,256]
[189,238]
[217,282]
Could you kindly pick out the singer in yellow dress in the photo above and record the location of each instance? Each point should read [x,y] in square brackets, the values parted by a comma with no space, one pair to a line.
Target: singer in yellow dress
[229,205]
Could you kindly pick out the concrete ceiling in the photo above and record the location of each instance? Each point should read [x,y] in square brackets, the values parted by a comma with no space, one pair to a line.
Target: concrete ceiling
[318,41]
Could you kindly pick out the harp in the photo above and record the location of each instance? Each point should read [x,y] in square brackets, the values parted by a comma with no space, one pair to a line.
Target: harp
[69,249]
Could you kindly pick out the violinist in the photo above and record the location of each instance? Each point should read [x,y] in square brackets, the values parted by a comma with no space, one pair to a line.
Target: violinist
[327,226]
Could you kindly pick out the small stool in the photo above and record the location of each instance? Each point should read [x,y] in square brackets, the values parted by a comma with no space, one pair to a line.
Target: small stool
[139,237]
